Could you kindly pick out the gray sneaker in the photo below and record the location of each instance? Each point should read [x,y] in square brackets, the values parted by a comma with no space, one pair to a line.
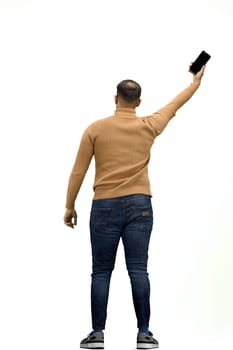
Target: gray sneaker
[93,341]
[146,341]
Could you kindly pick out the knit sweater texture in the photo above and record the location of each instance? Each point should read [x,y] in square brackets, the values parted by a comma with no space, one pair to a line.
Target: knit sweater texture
[121,146]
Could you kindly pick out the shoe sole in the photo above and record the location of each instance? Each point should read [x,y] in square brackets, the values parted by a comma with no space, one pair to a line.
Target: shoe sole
[92,346]
[147,346]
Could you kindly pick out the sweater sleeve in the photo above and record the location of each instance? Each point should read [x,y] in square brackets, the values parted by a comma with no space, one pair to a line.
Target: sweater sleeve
[80,167]
[159,120]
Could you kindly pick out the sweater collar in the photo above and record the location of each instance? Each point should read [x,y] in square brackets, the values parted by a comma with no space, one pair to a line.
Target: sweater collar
[125,112]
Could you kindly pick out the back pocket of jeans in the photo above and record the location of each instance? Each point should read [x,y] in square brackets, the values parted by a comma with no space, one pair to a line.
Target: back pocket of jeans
[143,215]
[101,219]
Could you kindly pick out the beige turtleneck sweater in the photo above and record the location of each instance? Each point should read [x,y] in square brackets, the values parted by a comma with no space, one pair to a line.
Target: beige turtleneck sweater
[121,147]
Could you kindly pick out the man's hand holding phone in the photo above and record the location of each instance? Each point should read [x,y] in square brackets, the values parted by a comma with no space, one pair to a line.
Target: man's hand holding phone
[198,76]
[200,61]
[197,67]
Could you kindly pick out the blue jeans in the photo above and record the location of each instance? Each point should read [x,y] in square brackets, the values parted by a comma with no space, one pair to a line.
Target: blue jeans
[131,219]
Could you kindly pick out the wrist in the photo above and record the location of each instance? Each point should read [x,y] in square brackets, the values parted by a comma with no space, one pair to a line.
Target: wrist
[196,81]
[69,209]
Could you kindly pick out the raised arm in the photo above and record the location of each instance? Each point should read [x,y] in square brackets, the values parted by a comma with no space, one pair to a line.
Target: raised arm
[160,118]
[187,93]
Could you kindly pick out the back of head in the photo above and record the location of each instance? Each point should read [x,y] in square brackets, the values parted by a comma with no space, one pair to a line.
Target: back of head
[129,90]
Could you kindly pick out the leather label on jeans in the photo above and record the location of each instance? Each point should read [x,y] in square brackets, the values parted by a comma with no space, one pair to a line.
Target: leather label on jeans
[145,213]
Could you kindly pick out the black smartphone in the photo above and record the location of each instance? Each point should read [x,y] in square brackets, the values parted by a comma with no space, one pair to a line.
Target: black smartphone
[201,60]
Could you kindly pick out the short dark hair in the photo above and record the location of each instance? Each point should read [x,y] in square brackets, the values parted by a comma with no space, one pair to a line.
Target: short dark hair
[129,90]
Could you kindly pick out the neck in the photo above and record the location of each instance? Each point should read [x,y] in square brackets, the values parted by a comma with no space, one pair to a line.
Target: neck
[121,103]
[125,105]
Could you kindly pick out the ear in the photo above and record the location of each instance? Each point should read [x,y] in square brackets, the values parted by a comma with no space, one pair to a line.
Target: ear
[138,102]
[116,99]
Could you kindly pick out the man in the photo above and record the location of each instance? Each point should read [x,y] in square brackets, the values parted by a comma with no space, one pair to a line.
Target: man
[121,207]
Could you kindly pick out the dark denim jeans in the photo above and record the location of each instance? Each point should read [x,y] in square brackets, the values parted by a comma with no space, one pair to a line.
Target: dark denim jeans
[130,218]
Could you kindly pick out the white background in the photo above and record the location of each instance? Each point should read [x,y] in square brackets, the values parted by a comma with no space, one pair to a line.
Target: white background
[60,62]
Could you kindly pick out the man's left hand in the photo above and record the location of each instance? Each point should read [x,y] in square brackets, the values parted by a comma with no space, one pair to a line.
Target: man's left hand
[70,218]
